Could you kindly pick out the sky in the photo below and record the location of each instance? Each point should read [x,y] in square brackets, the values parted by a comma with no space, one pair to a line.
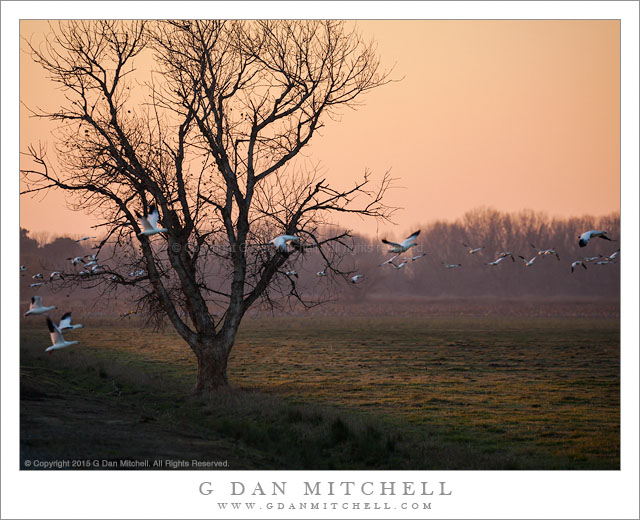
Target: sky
[511,115]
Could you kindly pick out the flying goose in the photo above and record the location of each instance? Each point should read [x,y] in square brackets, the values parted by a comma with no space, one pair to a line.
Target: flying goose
[390,261]
[56,273]
[614,255]
[84,238]
[23,268]
[57,340]
[292,273]
[551,251]
[36,306]
[399,266]
[76,260]
[409,242]
[414,258]
[37,284]
[65,323]
[473,251]
[138,272]
[498,260]
[576,264]
[149,222]
[506,254]
[281,242]
[451,266]
[357,277]
[587,235]
[528,263]
[37,276]
[322,273]
[592,258]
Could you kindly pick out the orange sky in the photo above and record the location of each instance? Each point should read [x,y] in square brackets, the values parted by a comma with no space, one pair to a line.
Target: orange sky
[505,114]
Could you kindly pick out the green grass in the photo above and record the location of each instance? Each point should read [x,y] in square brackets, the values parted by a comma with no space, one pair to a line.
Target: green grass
[364,393]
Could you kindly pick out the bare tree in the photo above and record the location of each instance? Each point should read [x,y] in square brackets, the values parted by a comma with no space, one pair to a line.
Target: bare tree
[228,108]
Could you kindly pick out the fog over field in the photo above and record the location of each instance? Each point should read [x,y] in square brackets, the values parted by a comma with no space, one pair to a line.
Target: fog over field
[548,287]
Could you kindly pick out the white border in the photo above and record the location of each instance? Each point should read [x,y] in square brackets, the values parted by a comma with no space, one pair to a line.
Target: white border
[478,494]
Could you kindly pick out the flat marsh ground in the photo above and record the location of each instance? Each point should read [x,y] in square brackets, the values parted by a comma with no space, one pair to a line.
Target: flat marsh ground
[322,392]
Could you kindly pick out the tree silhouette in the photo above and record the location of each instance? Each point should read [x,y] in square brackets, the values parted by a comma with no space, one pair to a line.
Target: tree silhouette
[225,111]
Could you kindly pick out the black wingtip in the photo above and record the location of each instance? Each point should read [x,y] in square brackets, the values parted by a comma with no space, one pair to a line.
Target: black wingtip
[66,315]
[52,327]
[33,299]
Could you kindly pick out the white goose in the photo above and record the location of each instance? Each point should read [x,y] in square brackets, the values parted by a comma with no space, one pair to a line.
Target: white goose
[65,323]
[576,264]
[57,340]
[76,260]
[149,222]
[399,266]
[473,251]
[414,258]
[528,263]
[37,276]
[37,284]
[451,266]
[138,272]
[56,273]
[322,273]
[292,273]
[84,238]
[592,258]
[390,261]
[281,242]
[356,278]
[498,260]
[583,239]
[409,242]
[614,255]
[36,306]
[506,254]
[23,268]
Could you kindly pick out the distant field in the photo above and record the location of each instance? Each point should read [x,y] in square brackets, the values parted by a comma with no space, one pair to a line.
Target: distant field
[405,392]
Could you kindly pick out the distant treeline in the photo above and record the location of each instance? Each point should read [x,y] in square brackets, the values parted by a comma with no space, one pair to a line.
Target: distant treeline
[496,232]
[426,277]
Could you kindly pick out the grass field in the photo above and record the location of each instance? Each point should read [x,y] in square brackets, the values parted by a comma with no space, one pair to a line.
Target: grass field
[335,392]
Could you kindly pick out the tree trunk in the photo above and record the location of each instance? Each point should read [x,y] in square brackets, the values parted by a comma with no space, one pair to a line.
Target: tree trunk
[212,367]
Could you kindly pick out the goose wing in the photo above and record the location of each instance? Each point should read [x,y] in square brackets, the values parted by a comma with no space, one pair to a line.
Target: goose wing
[385,241]
[65,321]
[410,238]
[153,216]
[56,335]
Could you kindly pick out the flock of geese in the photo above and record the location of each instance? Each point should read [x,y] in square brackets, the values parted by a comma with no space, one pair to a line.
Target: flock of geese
[284,244]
